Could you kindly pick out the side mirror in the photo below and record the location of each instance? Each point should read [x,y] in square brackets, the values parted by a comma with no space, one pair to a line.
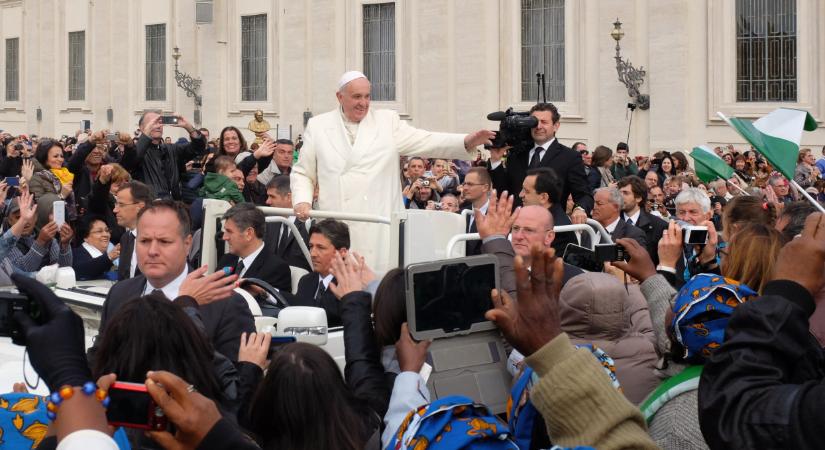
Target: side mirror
[308,324]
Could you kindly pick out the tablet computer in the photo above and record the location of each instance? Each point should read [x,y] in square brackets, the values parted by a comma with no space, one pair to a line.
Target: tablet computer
[450,297]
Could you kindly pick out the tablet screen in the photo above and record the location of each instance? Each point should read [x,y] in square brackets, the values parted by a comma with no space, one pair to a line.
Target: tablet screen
[453,298]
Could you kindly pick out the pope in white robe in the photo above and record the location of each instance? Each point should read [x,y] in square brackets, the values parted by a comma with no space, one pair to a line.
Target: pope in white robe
[352,155]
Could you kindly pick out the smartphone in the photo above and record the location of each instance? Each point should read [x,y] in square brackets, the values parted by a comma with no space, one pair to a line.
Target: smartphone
[13,181]
[695,235]
[610,252]
[277,343]
[111,136]
[59,212]
[169,120]
[131,406]
[582,257]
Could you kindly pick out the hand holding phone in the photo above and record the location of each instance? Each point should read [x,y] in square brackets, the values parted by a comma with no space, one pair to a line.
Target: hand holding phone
[13,181]
[59,211]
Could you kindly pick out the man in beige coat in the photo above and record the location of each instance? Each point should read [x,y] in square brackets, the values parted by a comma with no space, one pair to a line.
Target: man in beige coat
[352,155]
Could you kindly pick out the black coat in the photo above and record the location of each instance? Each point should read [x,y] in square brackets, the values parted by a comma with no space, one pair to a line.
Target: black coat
[653,227]
[567,164]
[561,240]
[82,184]
[289,250]
[762,388]
[305,296]
[158,165]
[267,266]
[625,230]
[223,320]
[88,268]
[127,245]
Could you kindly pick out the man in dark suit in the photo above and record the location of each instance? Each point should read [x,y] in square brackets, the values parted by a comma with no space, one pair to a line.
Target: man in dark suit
[606,211]
[279,238]
[243,230]
[542,187]
[476,190]
[634,193]
[546,151]
[165,239]
[326,239]
[129,200]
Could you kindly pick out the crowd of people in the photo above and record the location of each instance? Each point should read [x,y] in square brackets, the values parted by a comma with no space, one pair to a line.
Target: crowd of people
[706,341]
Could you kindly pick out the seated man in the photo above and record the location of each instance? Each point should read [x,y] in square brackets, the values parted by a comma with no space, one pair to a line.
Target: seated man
[608,204]
[542,187]
[164,240]
[326,238]
[248,254]
[280,238]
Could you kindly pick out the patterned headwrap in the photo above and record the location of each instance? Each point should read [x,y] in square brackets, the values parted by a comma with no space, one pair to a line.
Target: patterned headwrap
[702,294]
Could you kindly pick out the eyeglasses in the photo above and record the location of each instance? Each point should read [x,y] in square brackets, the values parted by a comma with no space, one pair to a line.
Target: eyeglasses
[103,231]
[526,230]
[121,205]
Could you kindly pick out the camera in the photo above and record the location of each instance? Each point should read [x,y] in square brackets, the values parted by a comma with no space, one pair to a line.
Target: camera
[439,206]
[694,235]
[111,136]
[513,128]
[425,182]
[131,406]
[610,252]
[11,303]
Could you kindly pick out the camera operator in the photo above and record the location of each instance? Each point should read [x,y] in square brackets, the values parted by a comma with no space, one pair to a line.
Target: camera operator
[623,165]
[544,151]
[421,192]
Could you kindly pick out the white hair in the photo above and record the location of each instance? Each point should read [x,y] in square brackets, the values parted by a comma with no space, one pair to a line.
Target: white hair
[694,195]
[615,196]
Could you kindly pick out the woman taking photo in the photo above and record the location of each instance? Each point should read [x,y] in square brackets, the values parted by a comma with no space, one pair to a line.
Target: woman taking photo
[50,177]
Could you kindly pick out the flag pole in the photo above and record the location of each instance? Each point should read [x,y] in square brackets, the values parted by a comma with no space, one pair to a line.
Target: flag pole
[741,191]
[807,196]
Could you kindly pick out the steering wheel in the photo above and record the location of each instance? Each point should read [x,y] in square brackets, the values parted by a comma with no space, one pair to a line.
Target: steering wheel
[280,299]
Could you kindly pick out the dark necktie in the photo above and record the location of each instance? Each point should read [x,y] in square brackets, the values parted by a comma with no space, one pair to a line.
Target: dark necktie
[283,240]
[158,292]
[239,267]
[629,221]
[536,159]
[321,291]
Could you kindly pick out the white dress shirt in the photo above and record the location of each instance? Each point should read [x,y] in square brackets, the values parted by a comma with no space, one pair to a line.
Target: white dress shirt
[634,217]
[171,289]
[249,259]
[543,149]
[613,225]
[133,261]
[483,210]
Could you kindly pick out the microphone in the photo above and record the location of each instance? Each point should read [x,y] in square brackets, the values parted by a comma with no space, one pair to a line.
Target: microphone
[497,116]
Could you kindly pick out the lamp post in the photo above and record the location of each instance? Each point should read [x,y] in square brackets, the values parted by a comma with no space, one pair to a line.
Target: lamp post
[631,77]
[189,84]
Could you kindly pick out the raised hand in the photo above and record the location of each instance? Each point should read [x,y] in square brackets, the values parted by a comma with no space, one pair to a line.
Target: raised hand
[639,266]
[499,218]
[411,355]
[480,137]
[534,320]
[209,288]
[347,276]
[254,348]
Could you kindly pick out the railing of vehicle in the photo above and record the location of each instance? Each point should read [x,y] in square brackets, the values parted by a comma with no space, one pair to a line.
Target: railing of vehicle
[595,234]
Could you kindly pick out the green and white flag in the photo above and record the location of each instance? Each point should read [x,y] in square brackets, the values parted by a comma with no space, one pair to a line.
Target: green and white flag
[776,136]
[709,166]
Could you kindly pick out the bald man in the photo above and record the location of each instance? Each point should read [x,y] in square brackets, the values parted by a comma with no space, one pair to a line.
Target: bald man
[534,225]
[351,153]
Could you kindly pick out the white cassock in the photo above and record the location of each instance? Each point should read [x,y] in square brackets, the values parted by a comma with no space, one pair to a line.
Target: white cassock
[364,177]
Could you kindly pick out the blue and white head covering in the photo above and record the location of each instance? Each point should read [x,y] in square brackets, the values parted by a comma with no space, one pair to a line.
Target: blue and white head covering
[701,312]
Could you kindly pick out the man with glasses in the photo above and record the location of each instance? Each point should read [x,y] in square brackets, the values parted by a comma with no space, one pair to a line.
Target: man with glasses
[129,200]
[782,188]
[476,192]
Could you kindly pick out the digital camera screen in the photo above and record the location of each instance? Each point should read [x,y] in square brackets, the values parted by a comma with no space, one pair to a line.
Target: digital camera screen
[128,407]
[453,298]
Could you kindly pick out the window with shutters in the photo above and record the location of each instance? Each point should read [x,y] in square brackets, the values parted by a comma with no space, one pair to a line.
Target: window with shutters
[77,65]
[766,51]
[253,58]
[542,48]
[156,62]
[13,70]
[379,50]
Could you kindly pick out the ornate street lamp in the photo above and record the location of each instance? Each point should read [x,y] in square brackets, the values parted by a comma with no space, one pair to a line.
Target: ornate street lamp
[630,76]
[189,84]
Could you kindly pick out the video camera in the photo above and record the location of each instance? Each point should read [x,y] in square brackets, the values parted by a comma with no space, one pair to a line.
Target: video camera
[513,129]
